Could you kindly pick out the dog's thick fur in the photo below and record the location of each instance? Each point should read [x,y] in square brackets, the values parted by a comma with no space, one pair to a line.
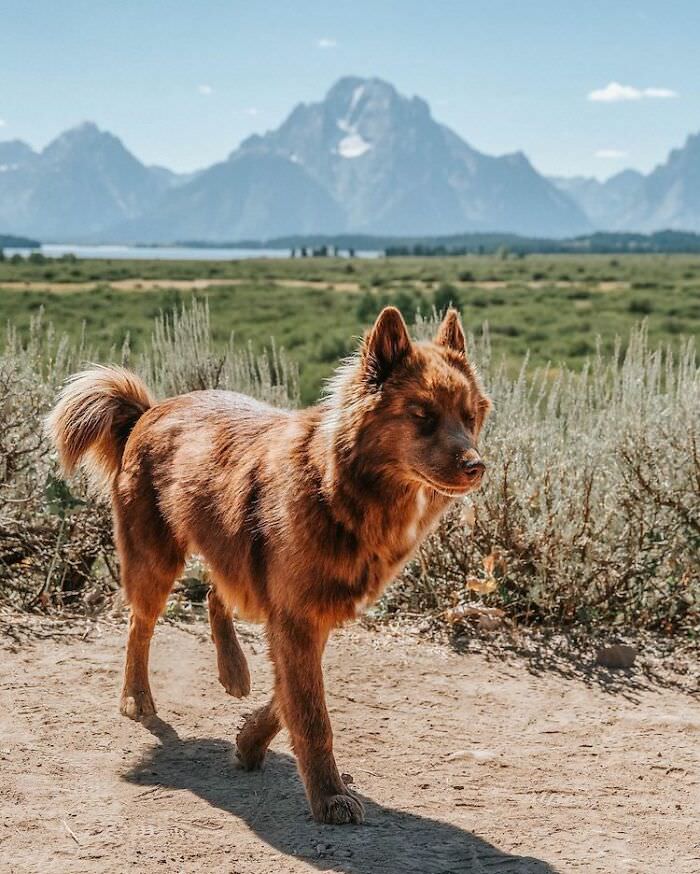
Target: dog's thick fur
[302,517]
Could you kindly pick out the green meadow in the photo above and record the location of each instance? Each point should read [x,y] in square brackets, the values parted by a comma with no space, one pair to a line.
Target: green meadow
[554,307]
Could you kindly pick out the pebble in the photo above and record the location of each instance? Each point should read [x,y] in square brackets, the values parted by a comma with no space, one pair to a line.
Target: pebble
[616,656]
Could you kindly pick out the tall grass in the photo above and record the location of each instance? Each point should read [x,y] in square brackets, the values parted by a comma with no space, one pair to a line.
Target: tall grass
[590,513]
[591,509]
[182,358]
[55,542]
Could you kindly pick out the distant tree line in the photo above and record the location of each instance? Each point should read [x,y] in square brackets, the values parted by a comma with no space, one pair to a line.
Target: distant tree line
[601,242]
[8,241]
[35,258]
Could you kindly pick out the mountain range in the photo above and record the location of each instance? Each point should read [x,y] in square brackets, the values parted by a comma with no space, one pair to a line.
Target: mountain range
[666,198]
[365,159]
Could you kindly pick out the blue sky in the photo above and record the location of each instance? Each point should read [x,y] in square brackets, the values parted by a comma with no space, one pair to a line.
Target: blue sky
[580,87]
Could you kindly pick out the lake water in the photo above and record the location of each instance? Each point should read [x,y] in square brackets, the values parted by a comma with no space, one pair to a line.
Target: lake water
[161,253]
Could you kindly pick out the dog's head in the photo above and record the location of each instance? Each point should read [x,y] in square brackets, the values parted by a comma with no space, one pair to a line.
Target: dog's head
[428,406]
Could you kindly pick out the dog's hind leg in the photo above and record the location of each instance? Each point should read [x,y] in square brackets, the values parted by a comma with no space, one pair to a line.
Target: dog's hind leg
[256,735]
[136,699]
[234,675]
[150,562]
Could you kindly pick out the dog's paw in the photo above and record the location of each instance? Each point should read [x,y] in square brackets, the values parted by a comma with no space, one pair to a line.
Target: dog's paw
[235,684]
[137,705]
[249,751]
[252,741]
[339,810]
[234,676]
[250,758]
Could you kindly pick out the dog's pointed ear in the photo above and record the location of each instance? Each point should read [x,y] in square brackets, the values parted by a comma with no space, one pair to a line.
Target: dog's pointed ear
[451,333]
[386,345]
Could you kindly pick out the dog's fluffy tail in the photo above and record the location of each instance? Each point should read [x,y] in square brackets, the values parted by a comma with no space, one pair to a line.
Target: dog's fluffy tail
[94,415]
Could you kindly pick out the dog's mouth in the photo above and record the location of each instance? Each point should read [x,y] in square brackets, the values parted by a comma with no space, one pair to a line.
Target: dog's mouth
[442,489]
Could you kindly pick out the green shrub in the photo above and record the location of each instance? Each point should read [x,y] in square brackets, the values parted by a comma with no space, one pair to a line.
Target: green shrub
[332,348]
[641,306]
[367,307]
[445,296]
[590,512]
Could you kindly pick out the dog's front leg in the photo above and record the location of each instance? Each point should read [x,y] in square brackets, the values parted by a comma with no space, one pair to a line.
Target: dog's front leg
[233,668]
[296,647]
[256,734]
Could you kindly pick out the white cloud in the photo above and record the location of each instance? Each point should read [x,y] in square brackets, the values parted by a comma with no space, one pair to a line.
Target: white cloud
[614,92]
[327,42]
[2,122]
[614,154]
[252,110]
[206,90]
[663,93]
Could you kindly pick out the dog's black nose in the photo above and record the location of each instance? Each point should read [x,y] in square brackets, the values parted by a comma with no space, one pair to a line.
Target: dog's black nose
[473,466]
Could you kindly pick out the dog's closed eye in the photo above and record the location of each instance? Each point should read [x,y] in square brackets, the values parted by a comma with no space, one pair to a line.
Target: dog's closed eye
[426,418]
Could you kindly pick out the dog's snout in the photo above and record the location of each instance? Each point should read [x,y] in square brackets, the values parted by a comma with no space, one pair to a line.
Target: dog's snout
[473,466]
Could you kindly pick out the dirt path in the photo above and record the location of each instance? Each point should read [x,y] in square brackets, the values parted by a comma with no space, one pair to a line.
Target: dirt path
[166,284]
[464,765]
[331,285]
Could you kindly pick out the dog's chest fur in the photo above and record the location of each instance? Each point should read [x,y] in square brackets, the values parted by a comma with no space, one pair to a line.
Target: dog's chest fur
[358,572]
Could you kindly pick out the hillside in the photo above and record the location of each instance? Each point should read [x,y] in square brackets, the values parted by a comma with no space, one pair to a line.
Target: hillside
[666,198]
[82,183]
[365,159]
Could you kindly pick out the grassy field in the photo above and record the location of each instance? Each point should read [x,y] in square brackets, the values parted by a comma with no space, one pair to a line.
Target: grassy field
[553,307]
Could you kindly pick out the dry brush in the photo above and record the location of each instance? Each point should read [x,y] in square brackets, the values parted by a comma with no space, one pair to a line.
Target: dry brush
[590,514]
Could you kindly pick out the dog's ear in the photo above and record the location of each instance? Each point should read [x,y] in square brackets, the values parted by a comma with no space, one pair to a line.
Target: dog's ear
[451,333]
[386,345]
[483,407]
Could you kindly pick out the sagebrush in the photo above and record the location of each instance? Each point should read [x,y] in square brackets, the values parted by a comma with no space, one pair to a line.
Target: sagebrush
[590,513]
[55,542]
[591,510]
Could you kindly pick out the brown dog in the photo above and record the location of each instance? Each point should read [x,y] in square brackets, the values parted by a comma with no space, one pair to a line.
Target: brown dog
[302,517]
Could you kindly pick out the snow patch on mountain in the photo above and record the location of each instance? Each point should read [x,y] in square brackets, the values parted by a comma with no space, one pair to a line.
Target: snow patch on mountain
[356,97]
[352,146]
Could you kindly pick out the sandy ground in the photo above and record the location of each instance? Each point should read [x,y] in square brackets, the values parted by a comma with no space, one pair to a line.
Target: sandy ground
[465,765]
[204,284]
[179,284]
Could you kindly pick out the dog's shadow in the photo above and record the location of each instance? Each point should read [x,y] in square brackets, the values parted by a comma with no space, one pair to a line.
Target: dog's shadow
[273,805]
